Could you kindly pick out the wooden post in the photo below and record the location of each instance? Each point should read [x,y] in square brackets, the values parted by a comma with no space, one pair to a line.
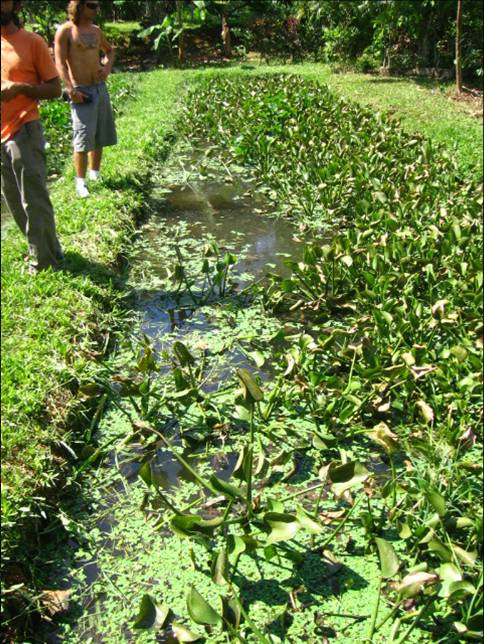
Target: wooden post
[458,60]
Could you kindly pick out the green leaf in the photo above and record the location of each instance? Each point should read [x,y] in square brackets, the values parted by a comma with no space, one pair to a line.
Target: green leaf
[325,441]
[145,473]
[191,525]
[200,610]
[184,356]
[219,567]
[461,589]
[388,558]
[241,469]
[257,357]
[150,614]
[91,389]
[227,489]
[147,361]
[344,477]
[181,383]
[436,545]
[229,259]
[437,501]
[184,634]
[307,522]
[236,546]
[283,526]
[468,558]
[449,572]
[231,612]
[251,388]
[404,531]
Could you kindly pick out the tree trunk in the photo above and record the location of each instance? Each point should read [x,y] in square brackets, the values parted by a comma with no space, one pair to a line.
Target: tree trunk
[227,45]
[181,40]
[458,60]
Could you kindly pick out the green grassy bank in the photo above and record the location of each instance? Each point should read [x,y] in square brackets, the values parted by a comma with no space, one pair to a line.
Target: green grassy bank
[56,327]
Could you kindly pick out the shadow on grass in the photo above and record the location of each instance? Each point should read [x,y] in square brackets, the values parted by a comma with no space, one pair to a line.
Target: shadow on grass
[77,264]
[422,81]
[309,582]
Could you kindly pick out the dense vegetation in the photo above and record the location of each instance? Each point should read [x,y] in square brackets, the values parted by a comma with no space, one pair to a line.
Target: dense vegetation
[375,338]
[391,354]
[394,34]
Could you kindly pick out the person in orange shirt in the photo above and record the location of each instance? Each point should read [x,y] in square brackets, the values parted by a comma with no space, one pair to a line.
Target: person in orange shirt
[28,74]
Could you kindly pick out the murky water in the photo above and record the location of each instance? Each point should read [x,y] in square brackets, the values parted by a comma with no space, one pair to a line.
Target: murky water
[236,217]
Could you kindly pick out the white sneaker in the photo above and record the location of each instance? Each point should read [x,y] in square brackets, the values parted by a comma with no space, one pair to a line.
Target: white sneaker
[82,191]
[94,175]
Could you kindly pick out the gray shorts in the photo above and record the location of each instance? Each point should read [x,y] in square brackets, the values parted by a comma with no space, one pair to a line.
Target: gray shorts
[93,122]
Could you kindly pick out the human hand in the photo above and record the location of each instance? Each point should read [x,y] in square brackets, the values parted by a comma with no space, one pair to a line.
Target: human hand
[102,74]
[10,90]
[78,97]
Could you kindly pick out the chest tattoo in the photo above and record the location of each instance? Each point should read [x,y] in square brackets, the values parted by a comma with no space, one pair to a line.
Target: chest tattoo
[89,41]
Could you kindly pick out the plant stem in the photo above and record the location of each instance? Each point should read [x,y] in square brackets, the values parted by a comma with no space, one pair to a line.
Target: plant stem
[186,465]
[394,481]
[351,373]
[389,615]
[341,525]
[250,459]
[415,621]
[166,501]
[254,628]
[227,510]
[371,630]
[301,492]
[95,418]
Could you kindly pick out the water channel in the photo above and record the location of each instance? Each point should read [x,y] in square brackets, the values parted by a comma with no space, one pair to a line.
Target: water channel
[230,211]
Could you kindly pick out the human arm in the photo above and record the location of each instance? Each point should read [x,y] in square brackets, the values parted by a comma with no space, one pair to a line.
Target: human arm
[48,89]
[108,61]
[61,46]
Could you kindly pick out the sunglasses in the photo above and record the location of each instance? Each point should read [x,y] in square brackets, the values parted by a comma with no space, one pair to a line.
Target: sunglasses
[92,5]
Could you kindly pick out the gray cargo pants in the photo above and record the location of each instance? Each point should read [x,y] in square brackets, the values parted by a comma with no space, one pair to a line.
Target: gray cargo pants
[24,188]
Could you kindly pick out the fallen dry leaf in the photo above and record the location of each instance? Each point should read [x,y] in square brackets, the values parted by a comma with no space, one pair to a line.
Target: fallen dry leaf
[55,601]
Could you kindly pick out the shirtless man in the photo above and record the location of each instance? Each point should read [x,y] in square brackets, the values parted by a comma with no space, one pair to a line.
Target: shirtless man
[78,47]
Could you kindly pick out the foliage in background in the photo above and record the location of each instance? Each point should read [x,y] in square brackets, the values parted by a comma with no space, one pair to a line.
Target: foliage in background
[394,34]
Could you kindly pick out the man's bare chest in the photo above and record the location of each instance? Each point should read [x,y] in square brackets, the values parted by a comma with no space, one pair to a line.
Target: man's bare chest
[85,41]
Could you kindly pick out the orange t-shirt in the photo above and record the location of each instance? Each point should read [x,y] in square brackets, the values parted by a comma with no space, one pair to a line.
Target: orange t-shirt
[25,59]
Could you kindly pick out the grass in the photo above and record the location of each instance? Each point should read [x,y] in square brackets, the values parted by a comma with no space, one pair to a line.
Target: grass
[127,27]
[55,327]
[423,106]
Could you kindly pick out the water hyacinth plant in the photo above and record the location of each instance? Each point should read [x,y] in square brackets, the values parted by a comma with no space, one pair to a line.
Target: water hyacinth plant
[376,385]
[393,304]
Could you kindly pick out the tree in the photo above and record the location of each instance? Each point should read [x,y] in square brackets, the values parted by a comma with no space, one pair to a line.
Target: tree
[458,57]
[44,15]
